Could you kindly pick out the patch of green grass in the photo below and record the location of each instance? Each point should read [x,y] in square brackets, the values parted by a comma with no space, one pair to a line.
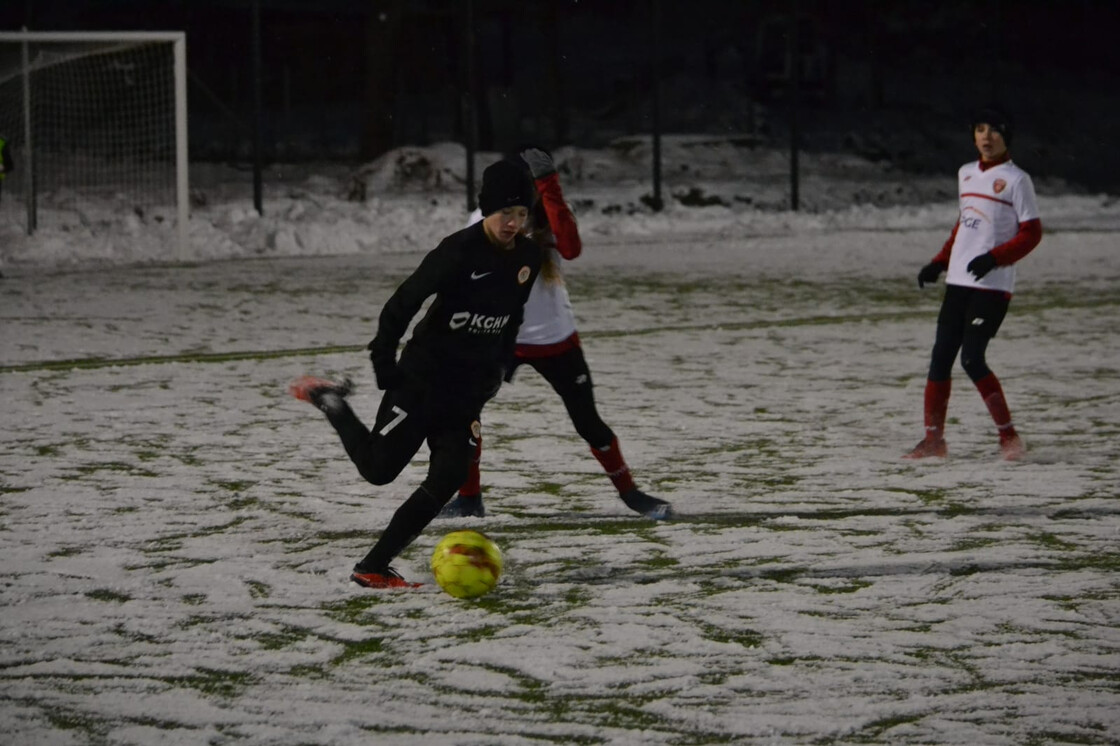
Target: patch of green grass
[477,634]
[86,470]
[554,489]
[258,589]
[281,639]
[1106,562]
[215,683]
[783,575]
[1048,737]
[850,585]
[657,561]
[877,730]
[187,459]
[104,594]
[356,610]
[748,638]
[241,503]
[577,596]
[164,544]
[952,510]
[1050,541]
[974,542]
[134,635]
[235,485]
[69,719]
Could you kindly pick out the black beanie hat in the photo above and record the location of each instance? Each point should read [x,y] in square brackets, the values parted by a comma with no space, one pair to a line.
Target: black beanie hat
[996,118]
[505,184]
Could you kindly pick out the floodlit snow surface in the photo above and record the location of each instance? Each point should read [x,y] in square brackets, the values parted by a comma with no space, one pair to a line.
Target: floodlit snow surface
[177,533]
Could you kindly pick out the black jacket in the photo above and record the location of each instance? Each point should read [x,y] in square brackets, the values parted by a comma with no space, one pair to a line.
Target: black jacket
[470,330]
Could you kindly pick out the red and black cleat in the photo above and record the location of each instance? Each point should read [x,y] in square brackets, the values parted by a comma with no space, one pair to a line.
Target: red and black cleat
[319,391]
[386,577]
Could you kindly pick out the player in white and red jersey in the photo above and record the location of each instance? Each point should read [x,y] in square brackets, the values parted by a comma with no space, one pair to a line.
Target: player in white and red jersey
[998,226]
[548,341]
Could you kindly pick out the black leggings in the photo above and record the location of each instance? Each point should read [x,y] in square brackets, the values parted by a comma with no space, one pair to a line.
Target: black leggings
[968,321]
[571,379]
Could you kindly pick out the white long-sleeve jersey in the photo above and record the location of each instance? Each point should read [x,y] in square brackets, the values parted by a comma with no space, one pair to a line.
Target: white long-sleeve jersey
[994,202]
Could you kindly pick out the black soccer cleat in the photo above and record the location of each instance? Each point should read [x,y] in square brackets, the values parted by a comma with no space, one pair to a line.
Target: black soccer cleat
[463,506]
[650,507]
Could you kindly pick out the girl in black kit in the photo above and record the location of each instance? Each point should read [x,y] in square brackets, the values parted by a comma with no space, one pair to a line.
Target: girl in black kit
[450,367]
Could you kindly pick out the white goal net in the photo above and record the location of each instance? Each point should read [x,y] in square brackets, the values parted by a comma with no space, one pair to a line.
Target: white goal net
[95,125]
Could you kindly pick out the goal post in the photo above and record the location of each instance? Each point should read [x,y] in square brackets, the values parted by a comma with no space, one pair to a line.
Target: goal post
[96,126]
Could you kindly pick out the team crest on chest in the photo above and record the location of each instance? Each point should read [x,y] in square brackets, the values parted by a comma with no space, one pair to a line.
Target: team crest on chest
[523,275]
[999,185]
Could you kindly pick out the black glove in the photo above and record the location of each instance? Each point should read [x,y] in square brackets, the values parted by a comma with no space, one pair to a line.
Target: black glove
[930,273]
[982,265]
[539,162]
[385,369]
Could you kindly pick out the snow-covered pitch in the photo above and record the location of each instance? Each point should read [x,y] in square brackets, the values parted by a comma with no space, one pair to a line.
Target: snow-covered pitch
[177,533]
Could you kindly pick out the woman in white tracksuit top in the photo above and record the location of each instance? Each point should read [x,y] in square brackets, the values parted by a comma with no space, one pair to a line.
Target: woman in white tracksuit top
[548,341]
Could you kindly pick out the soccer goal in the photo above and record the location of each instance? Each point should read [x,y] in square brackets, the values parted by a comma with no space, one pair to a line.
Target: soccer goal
[96,127]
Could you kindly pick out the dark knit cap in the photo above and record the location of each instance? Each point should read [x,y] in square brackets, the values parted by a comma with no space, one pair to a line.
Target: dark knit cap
[505,184]
[997,118]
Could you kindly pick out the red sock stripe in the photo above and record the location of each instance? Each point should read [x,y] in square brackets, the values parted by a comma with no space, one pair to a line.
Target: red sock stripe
[936,407]
[473,485]
[610,458]
[992,393]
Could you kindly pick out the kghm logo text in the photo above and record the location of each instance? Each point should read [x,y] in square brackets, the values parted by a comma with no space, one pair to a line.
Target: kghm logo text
[477,323]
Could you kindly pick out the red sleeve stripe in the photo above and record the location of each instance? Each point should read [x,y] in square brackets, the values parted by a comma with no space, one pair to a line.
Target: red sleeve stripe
[560,218]
[988,197]
[529,352]
[1023,243]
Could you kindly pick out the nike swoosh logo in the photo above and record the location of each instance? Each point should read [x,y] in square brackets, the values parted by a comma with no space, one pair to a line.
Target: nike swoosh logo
[479,275]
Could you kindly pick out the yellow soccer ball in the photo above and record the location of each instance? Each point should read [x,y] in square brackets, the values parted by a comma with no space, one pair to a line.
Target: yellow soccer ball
[467,564]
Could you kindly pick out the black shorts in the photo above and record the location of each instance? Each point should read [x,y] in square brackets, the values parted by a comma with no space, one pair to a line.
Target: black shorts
[417,411]
[973,310]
